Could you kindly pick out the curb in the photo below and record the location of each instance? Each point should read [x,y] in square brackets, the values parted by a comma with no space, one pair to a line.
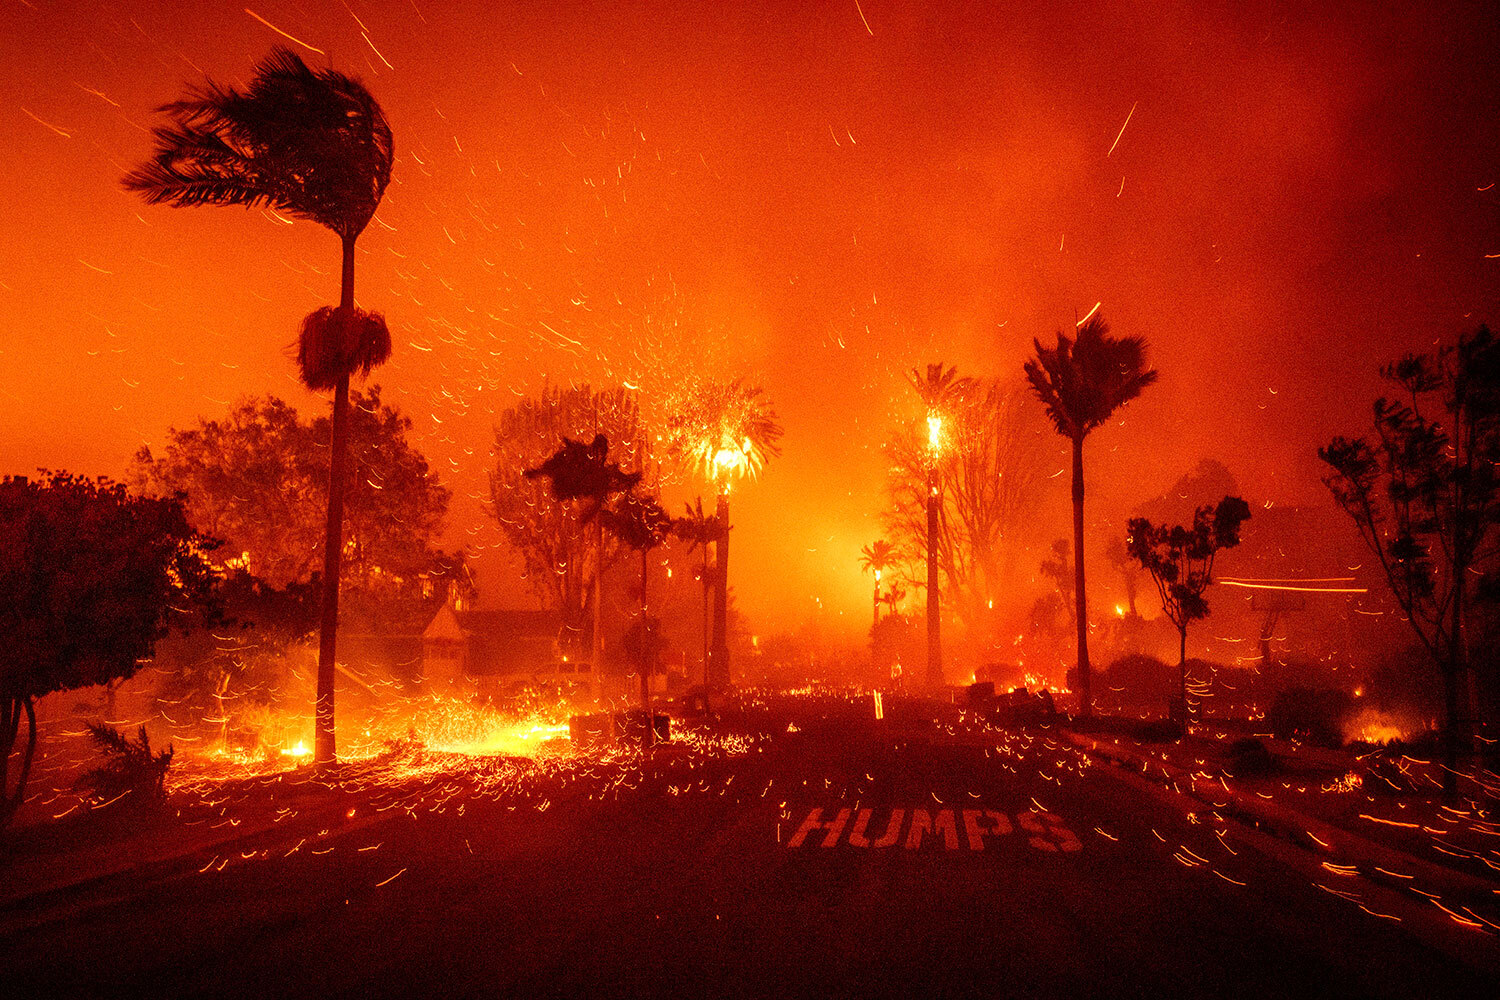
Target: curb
[1376,862]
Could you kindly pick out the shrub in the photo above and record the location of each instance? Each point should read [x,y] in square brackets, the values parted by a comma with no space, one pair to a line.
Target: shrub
[130,767]
[1248,757]
[1141,680]
[1160,731]
[1317,715]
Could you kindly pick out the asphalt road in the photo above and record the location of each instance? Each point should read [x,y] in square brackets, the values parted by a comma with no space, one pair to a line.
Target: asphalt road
[966,865]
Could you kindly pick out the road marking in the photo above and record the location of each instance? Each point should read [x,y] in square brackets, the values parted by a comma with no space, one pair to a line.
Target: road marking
[1043,831]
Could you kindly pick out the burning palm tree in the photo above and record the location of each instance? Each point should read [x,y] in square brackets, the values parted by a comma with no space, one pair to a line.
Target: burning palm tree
[941,390]
[315,145]
[1082,383]
[876,558]
[726,431]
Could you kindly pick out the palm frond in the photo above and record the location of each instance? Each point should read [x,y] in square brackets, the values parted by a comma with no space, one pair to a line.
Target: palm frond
[335,343]
[311,143]
[1083,381]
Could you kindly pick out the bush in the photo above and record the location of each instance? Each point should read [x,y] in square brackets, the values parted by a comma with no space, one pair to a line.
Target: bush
[1248,757]
[1140,680]
[131,767]
[1317,715]
[1160,731]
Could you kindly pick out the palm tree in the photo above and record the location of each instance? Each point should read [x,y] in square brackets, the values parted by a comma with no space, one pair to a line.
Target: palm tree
[315,145]
[877,558]
[700,530]
[940,389]
[726,430]
[579,471]
[640,523]
[1082,383]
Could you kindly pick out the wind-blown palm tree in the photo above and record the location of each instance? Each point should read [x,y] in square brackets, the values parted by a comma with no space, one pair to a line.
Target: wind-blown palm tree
[941,390]
[1082,382]
[726,430]
[315,145]
[876,558]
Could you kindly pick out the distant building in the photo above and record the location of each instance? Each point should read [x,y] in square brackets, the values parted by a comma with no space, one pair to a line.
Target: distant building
[497,653]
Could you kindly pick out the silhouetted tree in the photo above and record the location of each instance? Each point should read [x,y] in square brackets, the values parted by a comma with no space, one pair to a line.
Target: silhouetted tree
[582,474]
[257,479]
[940,389]
[724,431]
[892,598]
[1425,495]
[876,558]
[1059,569]
[316,145]
[639,522]
[562,564]
[700,530]
[1082,382]
[90,579]
[991,478]
[1181,563]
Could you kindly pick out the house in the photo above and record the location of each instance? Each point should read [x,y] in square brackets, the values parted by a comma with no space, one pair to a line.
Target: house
[497,653]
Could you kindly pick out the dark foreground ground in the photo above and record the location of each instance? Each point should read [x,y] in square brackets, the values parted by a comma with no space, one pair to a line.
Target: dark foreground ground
[1042,874]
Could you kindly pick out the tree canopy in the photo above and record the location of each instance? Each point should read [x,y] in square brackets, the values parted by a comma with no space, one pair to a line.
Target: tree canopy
[90,578]
[1425,495]
[550,537]
[724,429]
[1085,379]
[1180,560]
[991,471]
[258,479]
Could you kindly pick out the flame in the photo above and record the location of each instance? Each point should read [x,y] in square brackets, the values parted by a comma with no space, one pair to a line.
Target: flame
[1374,726]
[935,431]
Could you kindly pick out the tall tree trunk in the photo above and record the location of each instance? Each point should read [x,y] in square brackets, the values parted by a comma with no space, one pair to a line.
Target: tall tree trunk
[934,609]
[1182,671]
[719,655]
[1454,735]
[10,727]
[596,641]
[705,582]
[325,750]
[646,653]
[1081,607]
[876,602]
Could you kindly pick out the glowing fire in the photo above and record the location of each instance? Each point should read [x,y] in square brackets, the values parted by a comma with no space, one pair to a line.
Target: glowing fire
[1374,726]
[527,739]
[935,431]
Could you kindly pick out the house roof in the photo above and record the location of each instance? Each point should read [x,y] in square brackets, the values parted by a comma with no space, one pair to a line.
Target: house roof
[493,624]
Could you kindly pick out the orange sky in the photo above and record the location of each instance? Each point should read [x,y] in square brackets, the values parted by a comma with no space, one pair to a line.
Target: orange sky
[613,191]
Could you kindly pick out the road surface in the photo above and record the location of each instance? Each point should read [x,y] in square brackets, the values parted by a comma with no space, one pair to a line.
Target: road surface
[834,857]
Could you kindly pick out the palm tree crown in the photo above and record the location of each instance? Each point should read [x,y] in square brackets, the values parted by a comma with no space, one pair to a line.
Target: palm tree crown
[939,386]
[334,343]
[726,427]
[1081,382]
[581,471]
[311,143]
[876,557]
